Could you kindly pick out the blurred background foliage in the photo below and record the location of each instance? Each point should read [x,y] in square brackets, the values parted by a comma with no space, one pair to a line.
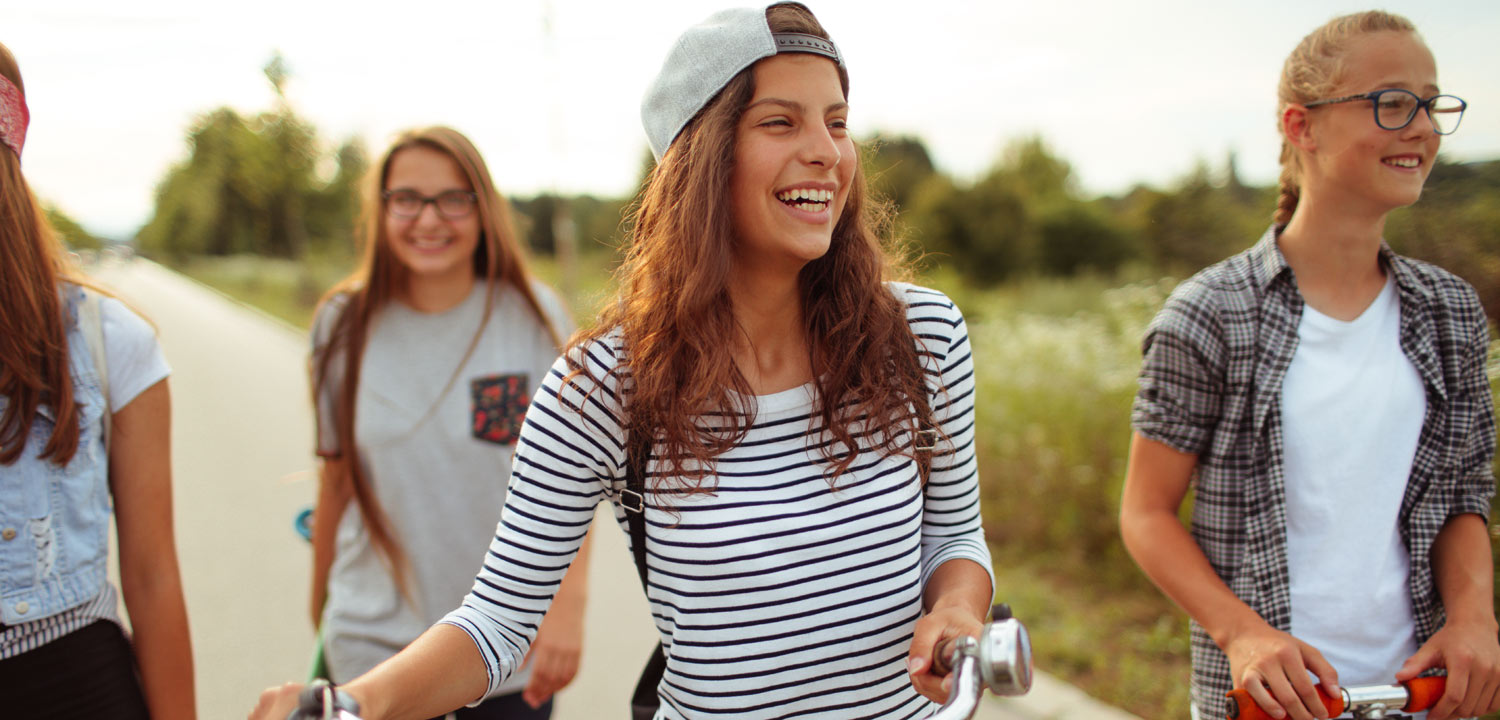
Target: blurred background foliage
[1057,287]
[260,185]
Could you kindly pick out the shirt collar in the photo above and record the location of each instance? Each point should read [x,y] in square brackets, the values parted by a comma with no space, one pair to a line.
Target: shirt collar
[1267,264]
[1406,277]
[1266,260]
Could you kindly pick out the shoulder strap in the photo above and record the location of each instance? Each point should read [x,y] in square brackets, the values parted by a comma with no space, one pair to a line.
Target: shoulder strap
[925,442]
[92,323]
[633,500]
[644,701]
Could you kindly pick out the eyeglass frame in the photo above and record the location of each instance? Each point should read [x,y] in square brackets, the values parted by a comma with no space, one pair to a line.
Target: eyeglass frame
[1374,98]
[385,197]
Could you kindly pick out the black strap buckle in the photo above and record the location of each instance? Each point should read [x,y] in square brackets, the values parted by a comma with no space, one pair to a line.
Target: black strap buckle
[632,501]
[804,43]
[926,440]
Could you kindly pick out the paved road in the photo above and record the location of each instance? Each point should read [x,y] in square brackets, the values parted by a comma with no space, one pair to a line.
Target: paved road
[242,462]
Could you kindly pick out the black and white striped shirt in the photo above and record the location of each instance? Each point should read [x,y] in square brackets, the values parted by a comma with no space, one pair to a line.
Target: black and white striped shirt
[774,595]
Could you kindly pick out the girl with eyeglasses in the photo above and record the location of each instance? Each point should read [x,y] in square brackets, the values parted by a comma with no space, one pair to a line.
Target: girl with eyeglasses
[1327,401]
[807,541]
[424,362]
[85,439]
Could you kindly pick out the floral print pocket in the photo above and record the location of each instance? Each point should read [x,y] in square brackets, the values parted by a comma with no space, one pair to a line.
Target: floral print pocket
[498,407]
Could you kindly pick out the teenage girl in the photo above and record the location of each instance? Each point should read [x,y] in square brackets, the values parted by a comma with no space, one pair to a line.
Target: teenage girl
[85,427]
[424,363]
[1327,400]
[802,561]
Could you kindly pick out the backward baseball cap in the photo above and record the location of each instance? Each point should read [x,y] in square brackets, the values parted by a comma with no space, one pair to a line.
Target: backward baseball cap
[706,57]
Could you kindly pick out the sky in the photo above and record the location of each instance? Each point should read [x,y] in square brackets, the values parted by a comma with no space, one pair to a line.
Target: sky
[1133,92]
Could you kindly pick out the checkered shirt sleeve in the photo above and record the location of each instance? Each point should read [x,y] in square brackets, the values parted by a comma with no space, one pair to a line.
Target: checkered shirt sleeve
[1181,393]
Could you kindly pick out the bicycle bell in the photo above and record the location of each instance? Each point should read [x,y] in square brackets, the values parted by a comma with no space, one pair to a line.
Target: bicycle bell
[1005,657]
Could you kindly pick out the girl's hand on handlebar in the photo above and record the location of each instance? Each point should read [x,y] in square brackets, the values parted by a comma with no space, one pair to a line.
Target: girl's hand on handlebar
[276,703]
[1272,666]
[935,627]
[1471,655]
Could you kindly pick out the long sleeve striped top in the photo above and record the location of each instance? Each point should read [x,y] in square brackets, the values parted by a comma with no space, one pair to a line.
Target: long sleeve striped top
[775,595]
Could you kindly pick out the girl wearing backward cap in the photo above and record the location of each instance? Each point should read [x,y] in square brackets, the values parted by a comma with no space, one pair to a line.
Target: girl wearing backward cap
[802,424]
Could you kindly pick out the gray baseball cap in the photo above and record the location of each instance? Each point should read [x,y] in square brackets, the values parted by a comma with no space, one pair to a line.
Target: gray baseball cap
[706,58]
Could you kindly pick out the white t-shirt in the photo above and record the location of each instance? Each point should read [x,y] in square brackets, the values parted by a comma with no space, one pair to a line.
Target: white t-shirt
[436,446]
[1352,409]
[130,349]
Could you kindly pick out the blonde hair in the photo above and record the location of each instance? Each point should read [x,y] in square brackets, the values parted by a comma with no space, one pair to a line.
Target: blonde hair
[1311,73]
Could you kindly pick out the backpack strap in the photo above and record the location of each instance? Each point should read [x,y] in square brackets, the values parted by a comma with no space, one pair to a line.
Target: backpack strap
[92,324]
[929,433]
[633,499]
[644,702]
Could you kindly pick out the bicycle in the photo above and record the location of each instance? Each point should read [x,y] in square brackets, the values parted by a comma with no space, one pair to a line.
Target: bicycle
[999,659]
[1367,702]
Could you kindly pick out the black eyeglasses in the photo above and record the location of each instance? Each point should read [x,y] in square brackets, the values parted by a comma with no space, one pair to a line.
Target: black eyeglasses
[1396,108]
[450,204]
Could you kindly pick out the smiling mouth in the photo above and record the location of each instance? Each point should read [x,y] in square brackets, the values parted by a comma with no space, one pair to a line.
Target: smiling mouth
[1403,162]
[430,243]
[806,199]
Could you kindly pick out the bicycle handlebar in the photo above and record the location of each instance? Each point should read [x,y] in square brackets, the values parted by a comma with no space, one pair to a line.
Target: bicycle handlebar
[1413,695]
[999,659]
[321,700]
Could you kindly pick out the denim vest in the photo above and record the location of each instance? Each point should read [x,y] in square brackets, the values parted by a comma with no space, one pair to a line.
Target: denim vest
[54,521]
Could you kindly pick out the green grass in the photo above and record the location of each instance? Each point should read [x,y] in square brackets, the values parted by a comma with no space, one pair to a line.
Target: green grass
[1128,649]
[1057,361]
[286,289]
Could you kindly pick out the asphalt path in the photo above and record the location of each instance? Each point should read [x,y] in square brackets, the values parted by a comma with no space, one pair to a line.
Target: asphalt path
[242,469]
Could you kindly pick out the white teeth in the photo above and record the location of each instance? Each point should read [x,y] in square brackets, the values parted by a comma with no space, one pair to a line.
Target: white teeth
[1406,162]
[810,194]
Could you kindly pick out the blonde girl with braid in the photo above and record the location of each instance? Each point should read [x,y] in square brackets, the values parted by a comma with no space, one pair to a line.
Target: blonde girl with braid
[1326,401]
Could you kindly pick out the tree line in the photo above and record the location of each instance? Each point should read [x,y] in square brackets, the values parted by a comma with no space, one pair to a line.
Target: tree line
[268,184]
[1026,217]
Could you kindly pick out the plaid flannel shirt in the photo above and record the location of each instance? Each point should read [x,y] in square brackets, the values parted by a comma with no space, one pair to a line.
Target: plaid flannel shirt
[1210,385]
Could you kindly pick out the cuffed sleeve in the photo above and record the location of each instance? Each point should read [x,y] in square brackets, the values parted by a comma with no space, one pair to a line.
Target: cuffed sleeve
[1179,401]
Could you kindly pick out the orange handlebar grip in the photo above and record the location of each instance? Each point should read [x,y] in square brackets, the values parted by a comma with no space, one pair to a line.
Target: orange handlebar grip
[1243,707]
[1424,692]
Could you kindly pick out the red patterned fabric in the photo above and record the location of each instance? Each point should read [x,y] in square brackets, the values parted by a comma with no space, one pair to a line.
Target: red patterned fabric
[499,403]
[14,117]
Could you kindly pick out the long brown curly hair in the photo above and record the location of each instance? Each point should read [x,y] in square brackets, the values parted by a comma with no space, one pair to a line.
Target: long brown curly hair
[674,312]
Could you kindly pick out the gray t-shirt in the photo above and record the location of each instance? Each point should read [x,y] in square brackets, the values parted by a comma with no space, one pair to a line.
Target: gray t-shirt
[439,465]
